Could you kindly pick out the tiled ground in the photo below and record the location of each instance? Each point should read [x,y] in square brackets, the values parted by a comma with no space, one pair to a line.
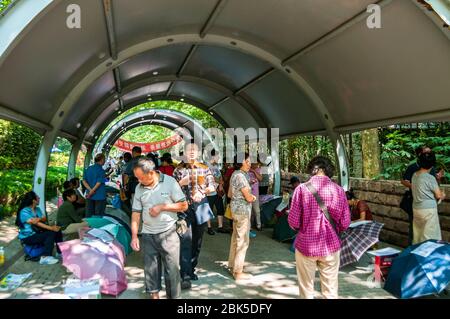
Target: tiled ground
[270,262]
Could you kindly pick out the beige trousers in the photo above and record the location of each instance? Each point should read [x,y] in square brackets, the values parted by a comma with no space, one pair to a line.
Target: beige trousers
[240,240]
[74,228]
[426,225]
[328,270]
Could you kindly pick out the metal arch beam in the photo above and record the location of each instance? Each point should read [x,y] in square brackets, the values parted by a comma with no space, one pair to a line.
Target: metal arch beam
[68,103]
[148,79]
[109,19]
[110,142]
[18,21]
[189,56]
[136,84]
[333,33]
[151,114]
[138,118]
[137,102]
[212,17]
[14,116]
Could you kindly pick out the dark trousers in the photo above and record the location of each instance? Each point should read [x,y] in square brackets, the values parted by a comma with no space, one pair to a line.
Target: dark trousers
[162,250]
[191,243]
[46,238]
[95,207]
[216,201]
[410,227]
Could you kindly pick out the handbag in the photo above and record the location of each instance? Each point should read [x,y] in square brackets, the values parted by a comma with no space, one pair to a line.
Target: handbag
[203,213]
[181,227]
[324,209]
[228,214]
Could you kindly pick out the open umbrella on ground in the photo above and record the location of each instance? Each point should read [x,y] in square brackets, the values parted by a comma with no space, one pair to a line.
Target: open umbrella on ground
[96,259]
[120,233]
[282,231]
[420,270]
[119,216]
[268,205]
[358,239]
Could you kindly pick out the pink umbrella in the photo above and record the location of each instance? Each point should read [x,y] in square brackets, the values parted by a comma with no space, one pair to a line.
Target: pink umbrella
[96,259]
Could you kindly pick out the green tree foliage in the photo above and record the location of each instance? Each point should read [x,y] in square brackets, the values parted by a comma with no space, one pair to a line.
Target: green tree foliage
[204,118]
[398,147]
[296,152]
[4,4]
[16,182]
[18,146]
[147,133]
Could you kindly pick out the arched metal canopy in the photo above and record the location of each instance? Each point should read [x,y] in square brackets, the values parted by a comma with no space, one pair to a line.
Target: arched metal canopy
[176,121]
[305,67]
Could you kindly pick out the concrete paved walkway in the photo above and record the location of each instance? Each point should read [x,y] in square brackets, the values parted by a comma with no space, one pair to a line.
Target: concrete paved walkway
[271,263]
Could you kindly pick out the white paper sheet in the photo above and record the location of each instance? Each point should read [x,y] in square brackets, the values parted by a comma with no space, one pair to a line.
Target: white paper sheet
[101,234]
[359,223]
[384,252]
[426,249]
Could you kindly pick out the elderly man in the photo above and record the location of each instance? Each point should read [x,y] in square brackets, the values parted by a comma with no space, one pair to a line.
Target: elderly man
[158,198]
[94,181]
[197,182]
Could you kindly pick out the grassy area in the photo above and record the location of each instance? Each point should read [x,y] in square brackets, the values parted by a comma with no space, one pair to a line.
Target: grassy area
[16,182]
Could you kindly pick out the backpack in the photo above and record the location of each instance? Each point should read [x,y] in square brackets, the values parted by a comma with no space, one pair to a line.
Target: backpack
[33,252]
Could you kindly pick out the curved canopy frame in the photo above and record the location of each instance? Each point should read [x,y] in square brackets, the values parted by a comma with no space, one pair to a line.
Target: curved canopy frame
[313,66]
[173,120]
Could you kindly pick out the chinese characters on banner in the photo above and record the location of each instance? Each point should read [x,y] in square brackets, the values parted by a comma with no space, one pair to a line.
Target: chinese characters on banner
[126,146]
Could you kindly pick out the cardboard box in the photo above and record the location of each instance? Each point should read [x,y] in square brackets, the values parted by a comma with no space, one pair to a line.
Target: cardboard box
[382,262]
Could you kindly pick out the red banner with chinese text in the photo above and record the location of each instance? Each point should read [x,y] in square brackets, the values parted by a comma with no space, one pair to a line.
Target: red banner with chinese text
[126,146]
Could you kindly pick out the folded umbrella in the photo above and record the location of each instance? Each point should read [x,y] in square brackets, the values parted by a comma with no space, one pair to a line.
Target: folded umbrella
[358,240]
[420,270]
[96,259]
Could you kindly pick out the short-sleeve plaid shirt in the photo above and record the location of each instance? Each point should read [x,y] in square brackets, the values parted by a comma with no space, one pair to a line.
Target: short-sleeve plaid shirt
[194,171]
[316,236]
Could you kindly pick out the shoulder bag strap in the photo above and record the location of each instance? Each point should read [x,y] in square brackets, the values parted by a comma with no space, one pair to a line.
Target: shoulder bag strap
[322,206]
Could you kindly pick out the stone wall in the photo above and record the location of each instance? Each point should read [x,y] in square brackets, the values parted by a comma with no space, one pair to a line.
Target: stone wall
[383,198]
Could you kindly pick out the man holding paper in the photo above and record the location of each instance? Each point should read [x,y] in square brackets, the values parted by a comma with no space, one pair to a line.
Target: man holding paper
[158,198]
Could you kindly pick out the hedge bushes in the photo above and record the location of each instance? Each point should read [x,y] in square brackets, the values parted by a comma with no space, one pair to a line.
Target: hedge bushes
[18,146]
[15,182]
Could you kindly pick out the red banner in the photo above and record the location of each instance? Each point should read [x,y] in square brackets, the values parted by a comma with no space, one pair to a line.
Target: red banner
[126,146]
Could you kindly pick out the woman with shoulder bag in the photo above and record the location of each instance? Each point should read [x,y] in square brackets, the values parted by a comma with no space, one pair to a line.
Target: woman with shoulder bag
[241,207]
[317,244]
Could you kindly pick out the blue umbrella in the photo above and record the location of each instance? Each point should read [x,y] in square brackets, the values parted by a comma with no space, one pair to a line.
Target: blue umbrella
[420,270]
[268,209]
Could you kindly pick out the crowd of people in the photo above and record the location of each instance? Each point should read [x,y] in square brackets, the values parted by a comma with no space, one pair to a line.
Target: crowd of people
[171,207]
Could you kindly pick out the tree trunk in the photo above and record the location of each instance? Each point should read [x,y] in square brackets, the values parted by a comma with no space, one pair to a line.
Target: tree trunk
[370,153]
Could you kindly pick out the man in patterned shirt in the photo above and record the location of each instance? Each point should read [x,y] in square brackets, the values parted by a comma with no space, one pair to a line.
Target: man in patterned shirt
[317,243]
[196,181]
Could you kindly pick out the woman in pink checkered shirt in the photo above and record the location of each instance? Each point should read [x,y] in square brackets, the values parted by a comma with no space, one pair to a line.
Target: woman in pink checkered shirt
[317,244]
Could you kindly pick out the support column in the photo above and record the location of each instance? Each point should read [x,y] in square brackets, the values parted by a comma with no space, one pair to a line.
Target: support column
[276,167]
[274,137]
[73,159]
[88,157]
[341,160]
[40,169]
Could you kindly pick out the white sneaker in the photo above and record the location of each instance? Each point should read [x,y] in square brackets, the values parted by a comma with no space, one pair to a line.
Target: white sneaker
[48,260]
